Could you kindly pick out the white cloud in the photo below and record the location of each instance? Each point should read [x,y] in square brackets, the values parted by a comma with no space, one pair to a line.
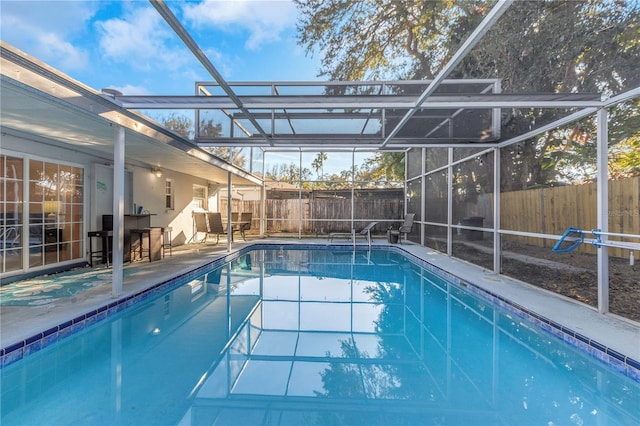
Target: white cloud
[44,28]
[222,62]
[62,17]
[264,20]
[68,57]
[131,90]
[141,40]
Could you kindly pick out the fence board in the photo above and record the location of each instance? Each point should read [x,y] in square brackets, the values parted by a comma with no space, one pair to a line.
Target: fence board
[553,210]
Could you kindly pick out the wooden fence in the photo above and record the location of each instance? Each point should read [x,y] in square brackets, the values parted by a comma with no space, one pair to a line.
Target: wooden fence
[545,211]
[322,215]
[553,210]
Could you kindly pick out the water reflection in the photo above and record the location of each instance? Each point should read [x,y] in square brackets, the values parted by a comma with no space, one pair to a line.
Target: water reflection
[314,337]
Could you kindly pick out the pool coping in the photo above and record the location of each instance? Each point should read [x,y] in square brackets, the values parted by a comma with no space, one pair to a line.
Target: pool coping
[621,362]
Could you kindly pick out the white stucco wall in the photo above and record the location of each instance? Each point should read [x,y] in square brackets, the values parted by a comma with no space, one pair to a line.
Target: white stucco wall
[148,190]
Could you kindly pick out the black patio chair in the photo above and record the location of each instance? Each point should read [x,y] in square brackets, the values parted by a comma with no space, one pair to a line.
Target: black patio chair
[244,224]
[405,228]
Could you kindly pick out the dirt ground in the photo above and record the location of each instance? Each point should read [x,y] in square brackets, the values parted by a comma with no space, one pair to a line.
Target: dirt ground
[571,274]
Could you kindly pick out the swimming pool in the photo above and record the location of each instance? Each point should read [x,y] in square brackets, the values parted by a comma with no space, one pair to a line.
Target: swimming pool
[315,337]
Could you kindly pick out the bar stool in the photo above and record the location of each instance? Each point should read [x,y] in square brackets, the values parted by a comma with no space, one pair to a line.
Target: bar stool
[153,236]
[166,241]
[137,244]
[105,252]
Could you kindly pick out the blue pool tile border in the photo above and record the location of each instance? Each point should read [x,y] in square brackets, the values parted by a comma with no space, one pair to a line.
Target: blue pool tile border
[15,352]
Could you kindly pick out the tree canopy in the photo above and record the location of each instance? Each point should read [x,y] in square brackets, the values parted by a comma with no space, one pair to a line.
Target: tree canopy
[537,46]
[183,125]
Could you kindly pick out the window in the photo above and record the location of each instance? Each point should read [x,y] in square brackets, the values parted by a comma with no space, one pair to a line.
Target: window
[44,227]
[56,199]
[168,195]
[11,188]
[199,200]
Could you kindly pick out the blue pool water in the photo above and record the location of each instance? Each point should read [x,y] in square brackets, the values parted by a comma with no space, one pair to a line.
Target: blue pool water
[316,337]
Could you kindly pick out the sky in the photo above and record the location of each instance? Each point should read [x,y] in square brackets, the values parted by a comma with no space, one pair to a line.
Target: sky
[127,45]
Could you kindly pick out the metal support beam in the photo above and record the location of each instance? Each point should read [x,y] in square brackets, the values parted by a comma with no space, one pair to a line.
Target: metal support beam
[423,192]
[622,97]
[558,123]
[497,238]
[229,224]
[263,201]
[118,211]
[477,34]
[289,107]
[603,208]
[450,201]
[300,196]
[353,194]
[173,22]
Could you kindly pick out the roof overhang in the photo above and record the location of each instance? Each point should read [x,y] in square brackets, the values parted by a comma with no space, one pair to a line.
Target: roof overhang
[44,104]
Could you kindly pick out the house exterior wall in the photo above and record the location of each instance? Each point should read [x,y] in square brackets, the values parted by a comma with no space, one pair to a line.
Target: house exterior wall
[146,189]
[149,192]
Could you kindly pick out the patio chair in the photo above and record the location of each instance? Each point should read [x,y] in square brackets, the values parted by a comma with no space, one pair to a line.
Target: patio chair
[214,221]
[243,225]
[333,235]
[10,238]
[202,225]
[200,220]
[405,228]
[366,232]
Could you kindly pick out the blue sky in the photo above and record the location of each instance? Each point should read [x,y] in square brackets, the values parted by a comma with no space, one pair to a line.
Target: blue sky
[126,45]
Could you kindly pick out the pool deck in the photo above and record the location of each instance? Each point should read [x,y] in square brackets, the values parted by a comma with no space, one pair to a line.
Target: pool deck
[18,323]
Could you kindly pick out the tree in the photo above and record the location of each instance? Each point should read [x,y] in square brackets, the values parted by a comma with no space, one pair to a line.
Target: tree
[183,125]
[625,160]
[375,39]
[596,54]
[318,163]
[234,156]
[537,46]
[180,124]
[384,168]
[624,138]
[289,173]
[209,130]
